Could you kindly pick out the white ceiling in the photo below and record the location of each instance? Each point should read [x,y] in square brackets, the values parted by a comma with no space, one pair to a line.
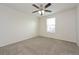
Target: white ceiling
[28,8]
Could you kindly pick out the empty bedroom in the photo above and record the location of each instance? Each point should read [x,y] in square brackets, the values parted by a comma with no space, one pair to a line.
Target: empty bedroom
[39,29]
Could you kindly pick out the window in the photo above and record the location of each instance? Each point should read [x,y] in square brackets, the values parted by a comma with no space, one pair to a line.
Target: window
[51,25]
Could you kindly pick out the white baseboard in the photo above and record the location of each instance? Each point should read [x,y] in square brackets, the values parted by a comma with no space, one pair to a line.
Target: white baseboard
[15,41]
[57,38]
[77,43]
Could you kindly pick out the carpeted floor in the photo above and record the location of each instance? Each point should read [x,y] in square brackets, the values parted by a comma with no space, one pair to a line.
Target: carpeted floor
[41,46]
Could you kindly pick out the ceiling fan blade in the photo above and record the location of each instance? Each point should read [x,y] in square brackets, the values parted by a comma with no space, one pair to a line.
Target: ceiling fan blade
[48,10]
[35,11]
[47,5]
[35,6]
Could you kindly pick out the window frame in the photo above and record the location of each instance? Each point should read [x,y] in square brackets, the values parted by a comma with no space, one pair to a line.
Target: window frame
[52,26]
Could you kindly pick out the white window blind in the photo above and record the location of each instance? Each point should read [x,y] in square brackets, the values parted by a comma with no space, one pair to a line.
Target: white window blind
[51,25]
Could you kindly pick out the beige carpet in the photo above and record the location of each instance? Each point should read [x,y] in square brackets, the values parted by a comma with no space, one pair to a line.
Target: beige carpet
[40,46]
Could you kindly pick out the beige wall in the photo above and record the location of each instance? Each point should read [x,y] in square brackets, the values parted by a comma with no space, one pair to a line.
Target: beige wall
[15,26]
[77,24]
[65,25]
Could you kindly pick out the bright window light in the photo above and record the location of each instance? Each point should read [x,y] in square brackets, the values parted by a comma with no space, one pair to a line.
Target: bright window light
[51,25]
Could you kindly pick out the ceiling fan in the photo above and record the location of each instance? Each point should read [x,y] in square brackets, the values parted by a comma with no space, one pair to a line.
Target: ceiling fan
[42,9]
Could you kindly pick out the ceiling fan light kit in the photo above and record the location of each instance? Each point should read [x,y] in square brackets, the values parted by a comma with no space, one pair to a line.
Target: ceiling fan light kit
[41,12]
[41,9]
